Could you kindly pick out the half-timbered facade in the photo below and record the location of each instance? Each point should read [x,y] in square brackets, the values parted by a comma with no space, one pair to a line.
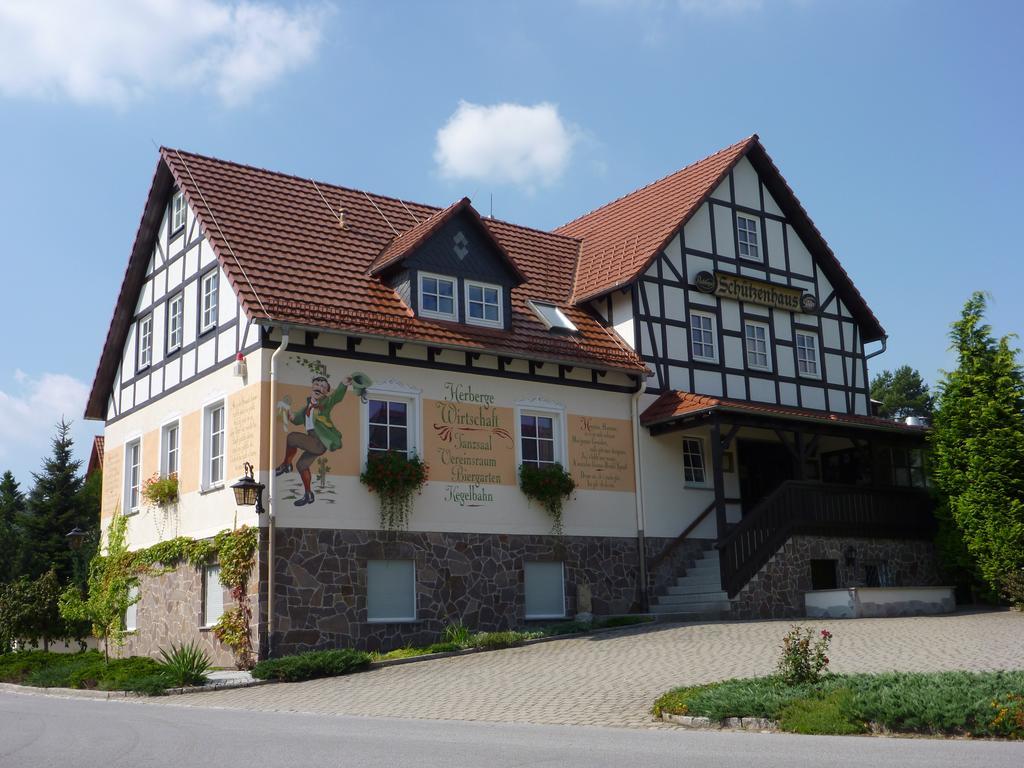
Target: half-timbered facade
[693,355]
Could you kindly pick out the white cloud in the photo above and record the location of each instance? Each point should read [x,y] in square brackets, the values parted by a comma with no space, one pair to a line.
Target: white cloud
[505,144]
[118,51]
[28,415]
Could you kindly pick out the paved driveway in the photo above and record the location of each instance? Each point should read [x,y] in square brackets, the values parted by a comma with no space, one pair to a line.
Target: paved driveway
[611,679]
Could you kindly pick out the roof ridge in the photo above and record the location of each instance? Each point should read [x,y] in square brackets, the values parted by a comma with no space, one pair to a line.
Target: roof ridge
[309,179]
[731,147]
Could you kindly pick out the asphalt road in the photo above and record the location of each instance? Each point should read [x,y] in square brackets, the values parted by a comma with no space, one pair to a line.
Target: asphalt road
[44,731]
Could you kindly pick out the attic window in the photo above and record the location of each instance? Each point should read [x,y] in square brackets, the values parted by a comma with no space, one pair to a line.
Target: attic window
[437,296]
[746,232]
[177,211]
[553,318]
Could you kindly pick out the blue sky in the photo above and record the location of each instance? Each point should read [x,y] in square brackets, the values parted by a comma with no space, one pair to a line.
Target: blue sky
[896,123]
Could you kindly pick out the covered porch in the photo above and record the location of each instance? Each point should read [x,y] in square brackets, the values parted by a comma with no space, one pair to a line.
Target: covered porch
[772,472]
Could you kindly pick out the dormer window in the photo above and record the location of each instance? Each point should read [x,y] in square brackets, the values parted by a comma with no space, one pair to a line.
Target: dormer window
[483,304]
[553,318]
[177,211]
[746,237]
[437,297]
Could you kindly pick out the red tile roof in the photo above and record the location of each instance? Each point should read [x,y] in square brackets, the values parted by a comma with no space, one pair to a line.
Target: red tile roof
[621,238]
[676,404]
[95,456]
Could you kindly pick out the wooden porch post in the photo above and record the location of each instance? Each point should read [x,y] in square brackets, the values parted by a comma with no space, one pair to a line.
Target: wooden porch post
[718,475]
[799,457]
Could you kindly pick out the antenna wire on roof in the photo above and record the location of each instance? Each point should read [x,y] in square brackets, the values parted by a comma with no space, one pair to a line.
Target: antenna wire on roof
[409,211]
[227,242]
[386,219]
[336,216]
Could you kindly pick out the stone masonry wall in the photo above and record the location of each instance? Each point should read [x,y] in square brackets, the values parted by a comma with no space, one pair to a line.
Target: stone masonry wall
[777,591]
[475,579]
[170,610]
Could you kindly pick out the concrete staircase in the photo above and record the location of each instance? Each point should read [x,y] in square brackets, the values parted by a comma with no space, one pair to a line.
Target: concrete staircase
[697,595]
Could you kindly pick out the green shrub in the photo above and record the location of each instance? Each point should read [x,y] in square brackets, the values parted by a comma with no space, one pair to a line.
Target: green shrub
[307,666]
[506,639]
[804,657]
[87,670]
[828,714]
[459,634]
[443,647]
[185,665]
[16,667]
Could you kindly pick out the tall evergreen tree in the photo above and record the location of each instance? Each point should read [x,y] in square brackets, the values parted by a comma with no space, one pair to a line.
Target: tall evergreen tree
[12,507]
[903,393]
[978,442]
[54,507]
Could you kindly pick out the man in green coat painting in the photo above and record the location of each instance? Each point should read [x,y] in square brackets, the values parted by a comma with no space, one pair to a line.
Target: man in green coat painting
[320,435]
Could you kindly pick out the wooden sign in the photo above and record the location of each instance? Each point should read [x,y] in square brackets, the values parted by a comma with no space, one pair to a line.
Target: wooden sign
[728,286]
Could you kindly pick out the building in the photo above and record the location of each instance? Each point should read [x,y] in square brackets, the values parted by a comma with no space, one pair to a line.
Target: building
[693,353]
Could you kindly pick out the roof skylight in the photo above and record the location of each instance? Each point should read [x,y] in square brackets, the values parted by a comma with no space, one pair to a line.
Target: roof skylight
[552,317]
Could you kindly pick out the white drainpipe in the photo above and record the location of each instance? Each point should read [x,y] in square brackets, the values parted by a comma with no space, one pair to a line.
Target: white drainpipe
[638,479]
[271,522]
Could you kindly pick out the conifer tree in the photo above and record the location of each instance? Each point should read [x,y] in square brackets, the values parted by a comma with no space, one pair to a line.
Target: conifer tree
[12,508]
[55,506]
[978,446]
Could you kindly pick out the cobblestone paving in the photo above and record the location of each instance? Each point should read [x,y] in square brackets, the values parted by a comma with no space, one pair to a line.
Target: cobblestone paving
[611,679]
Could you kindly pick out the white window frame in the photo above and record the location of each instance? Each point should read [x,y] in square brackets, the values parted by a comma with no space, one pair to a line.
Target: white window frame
[555,411]
[166,469]
[561,322]
[175,322]
[500,322]
[537,616]
[767,366]
[131,614]
[145,356]
[178,212]
[391,390]
[208,619]
[454,316]
[754,247]
[208,314]
[714,337]
[209,481]
[133,476]
[688,442]
[392,619]
[816,373]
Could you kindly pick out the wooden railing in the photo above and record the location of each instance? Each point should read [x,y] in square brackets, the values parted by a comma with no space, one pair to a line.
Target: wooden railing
[818,509]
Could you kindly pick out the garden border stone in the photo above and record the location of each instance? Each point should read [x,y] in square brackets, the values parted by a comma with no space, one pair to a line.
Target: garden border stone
[760,724]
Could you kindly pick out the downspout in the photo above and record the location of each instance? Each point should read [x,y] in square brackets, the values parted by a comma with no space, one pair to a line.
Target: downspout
[272,519]
[878,351]
[638,479]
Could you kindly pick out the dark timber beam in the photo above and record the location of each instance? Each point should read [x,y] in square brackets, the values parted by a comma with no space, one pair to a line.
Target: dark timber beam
[718,475]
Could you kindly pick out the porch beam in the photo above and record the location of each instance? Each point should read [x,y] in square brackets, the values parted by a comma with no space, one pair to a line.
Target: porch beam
[718,475]
[882,437]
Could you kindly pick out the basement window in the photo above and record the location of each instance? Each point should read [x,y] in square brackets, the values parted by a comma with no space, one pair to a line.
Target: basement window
[554,319]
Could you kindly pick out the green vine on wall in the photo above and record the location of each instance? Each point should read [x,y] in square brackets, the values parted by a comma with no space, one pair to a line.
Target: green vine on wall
[549,485]
[111,577]
[396,477]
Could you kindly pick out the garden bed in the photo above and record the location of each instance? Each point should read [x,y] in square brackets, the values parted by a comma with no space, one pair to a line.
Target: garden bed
[84,671]
[985,704]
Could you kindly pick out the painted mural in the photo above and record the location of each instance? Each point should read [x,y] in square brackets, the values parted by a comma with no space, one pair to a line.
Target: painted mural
[312,434]
[601,453]
[469,444]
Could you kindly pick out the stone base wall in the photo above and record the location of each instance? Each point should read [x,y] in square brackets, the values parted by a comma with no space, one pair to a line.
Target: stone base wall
[475,579]
[170,611]
[777,591]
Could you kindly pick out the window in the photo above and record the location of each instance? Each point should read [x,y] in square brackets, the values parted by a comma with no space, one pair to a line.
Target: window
[544,584]
[702,336]
[131,614]
[553,318]
[132,476]
[213,595]
[756,340]
[169,450]
[177,211]
[390,590]
[388,426]
[175,322]
[209,301]
[907,465]
[483,304]
[807,354]
[693,462]
[538,439]
[213,445]
[145,341]
[746,237]
[437,297]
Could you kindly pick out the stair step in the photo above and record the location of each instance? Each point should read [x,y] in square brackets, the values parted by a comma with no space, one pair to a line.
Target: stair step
[686,613]
[705,565]
[715,590]
[680,603]
[699,578]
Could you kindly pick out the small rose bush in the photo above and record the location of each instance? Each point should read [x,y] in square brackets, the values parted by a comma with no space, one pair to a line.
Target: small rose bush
[804,656]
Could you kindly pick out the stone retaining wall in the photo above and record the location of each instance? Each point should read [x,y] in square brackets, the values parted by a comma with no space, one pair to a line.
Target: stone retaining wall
[475,579]
[777,591]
